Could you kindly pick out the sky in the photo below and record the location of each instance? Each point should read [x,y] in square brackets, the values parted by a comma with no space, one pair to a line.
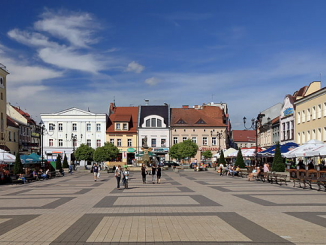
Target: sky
[86,54]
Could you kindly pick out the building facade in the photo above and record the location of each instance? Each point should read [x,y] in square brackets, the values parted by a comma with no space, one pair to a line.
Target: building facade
[244,138]
[122,132]
[205,126]
[311,117]
[287,120]
[154,125]
[3,106]
[66,130]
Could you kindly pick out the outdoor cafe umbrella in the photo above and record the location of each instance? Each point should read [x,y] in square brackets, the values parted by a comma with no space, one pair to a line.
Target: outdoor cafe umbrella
[27,160]
[302,150]
[283,148]
[6,157]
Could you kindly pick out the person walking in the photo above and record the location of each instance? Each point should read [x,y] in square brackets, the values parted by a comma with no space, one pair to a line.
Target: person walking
[125,177]
[118,176]
[159,174]
[95,171]
[143,173]
[153,173]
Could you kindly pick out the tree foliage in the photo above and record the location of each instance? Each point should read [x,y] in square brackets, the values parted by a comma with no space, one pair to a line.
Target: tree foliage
[84,152]
[18,167]
[65,162]
[105,153]
[239,161]
[278,165]
[207,154]
[58,163]
[183,150]
[222,158]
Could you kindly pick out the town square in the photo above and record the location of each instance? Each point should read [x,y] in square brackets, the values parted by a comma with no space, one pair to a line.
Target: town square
[162,122]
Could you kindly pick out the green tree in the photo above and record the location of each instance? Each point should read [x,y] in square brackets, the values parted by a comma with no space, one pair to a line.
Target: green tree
[18,167]
[58,163]
[222,158]
[84,152]
[111,151]
[207,154]
[239,161]
[183,150]
[65,162]
[278,165]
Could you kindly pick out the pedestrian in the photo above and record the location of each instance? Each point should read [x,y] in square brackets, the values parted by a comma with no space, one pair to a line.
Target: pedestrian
[125,177]
[95,171]
[153,173]
[143,173]
[118,176]
[159,174]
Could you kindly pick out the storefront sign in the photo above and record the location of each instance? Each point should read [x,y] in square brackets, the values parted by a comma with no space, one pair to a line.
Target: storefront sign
[208,148]
[131,150]
[288,112]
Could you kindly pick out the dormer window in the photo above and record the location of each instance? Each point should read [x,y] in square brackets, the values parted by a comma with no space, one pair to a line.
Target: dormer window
[181,121]
[200,121]
[125,126]
[117,126]
[153,122]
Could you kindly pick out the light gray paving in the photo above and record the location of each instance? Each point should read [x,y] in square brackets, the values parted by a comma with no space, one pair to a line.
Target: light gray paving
[186,208]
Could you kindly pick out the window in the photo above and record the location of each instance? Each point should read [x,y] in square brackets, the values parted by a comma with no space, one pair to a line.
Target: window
[319,134]
[119,142]
[184,138]
[299,118]
[319,111]
[129,142]
[112,141]
[125,126]
[89,143]
[308,135]
[175,140]
[51,127]
[74,127]
[292,129]
[98,127]
[1,81]
[213,140]
[9,135]
[163,142]
[60,142]
[204,140]
[153,142]
[148,123]
[50,142]
[288,130]
[303,116]
[117,126]
[303,135]
[60,127]
[324,133]
[308,115]
[299,139]
[313,134]
[324,109]
[159,123]
[88,127]
[313,112]
[194,140]
[98,143]
[14,136]
[153,122]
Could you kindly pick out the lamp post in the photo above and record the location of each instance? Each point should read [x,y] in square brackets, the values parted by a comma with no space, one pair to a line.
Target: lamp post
[42,127]
[219,135]
[255,124]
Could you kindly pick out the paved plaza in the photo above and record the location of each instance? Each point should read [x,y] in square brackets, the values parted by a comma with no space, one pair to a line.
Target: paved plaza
[186,208]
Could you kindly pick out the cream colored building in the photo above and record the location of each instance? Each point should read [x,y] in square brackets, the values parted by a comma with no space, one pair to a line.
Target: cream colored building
[3,105]
[310,112]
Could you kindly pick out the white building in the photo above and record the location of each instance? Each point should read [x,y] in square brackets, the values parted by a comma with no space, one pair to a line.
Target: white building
[66,130]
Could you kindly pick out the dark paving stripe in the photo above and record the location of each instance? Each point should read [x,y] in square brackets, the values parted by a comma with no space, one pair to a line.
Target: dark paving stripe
[312,217]
[52,205]
[185,189]
[14,222]
[83,228]
[268,203]
[108,202]
[202,182]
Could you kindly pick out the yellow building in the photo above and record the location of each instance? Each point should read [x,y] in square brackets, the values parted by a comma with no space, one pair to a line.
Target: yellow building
[311,115]
[122,132]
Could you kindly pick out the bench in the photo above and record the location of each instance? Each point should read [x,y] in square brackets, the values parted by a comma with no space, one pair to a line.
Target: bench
[31,178]
[14,180]
[321,181]
[243,173]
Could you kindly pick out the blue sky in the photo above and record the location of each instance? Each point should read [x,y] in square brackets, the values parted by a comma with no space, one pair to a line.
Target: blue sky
[246,53]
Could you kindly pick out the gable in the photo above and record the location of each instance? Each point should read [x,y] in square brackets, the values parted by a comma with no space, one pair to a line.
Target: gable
[200,121]
[181,121]
[74,112]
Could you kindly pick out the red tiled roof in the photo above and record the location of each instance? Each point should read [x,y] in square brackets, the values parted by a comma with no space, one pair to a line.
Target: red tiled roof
[123,114]
[276,120]
[11,122]
[244,135]
[211,115]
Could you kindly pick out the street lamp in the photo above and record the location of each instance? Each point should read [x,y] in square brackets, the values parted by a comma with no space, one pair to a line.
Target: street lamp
[255,124]
[219,135]
[42,126]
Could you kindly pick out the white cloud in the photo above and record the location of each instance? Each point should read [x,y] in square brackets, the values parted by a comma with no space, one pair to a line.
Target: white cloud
[135,67]
[31,38]
[77,28]
[70,59]
[152,81]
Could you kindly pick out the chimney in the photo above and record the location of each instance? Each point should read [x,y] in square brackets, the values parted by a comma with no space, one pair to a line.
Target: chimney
[111,110]
[185,106]
[146,102]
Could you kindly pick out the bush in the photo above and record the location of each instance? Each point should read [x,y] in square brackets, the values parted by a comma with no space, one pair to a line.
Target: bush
[239,161]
